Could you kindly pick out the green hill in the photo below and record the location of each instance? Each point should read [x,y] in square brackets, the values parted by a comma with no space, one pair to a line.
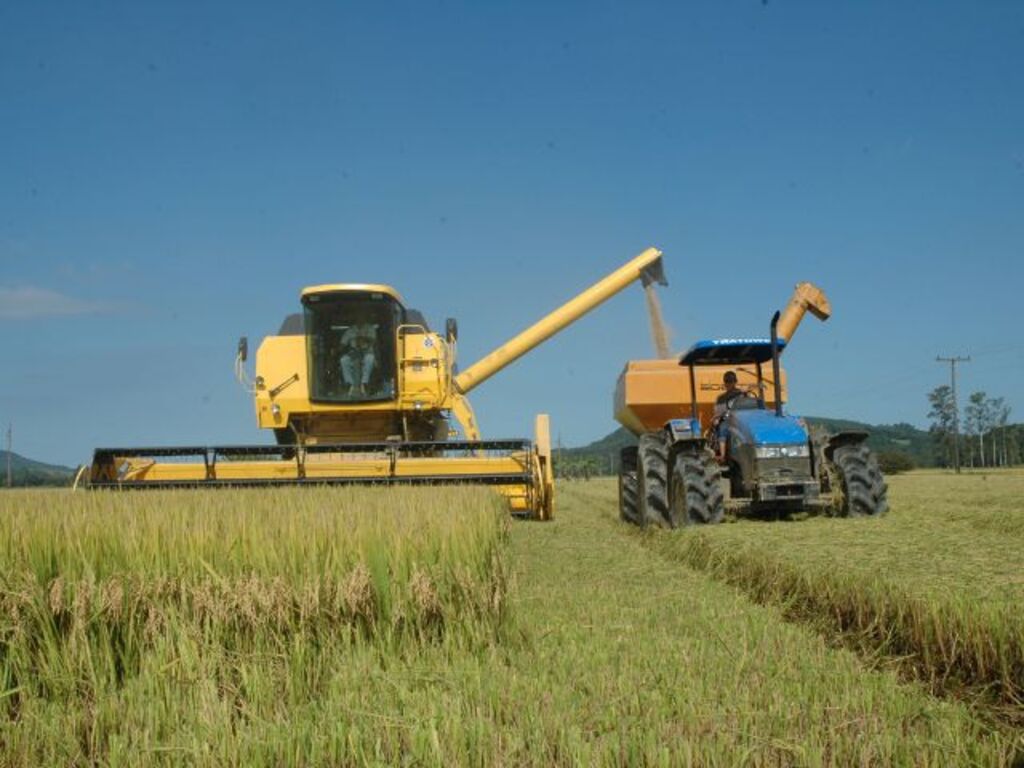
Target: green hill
[26,472]
[886,438]
[601,456]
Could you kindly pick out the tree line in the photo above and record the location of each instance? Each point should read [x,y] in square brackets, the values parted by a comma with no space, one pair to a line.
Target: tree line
[986,437]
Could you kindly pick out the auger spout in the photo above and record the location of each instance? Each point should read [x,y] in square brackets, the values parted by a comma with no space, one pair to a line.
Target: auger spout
[647,267]
[807,297]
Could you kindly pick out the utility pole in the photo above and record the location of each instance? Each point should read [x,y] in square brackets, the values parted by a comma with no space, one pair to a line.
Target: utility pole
[956,407]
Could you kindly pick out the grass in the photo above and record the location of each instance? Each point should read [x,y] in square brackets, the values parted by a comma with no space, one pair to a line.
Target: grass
[561,644]
[936,584]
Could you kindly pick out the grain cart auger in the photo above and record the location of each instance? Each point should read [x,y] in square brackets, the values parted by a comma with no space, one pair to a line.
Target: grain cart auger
[358,389]
[704,444]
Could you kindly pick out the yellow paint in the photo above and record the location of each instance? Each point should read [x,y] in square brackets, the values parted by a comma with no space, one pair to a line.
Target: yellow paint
[650,392]
[322,466]
[387,290]
[807,297]
[428,394]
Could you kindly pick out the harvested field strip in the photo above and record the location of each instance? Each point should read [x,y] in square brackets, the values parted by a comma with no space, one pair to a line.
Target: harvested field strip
[937,584]
[663,666]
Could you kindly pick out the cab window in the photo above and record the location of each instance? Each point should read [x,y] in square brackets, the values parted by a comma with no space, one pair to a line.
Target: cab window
[350,346]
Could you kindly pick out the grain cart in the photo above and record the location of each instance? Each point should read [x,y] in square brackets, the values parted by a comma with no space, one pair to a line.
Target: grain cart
[357,388]
[695,457]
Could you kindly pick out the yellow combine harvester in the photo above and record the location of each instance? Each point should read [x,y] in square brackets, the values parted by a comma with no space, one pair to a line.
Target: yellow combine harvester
[358,389]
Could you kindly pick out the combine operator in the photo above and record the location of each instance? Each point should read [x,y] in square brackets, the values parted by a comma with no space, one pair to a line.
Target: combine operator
[359,360]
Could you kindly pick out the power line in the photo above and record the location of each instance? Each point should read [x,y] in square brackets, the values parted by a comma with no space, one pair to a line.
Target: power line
[956,408]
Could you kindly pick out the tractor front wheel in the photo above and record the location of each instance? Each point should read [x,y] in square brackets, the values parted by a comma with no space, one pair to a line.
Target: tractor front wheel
[696,494]
[858,485]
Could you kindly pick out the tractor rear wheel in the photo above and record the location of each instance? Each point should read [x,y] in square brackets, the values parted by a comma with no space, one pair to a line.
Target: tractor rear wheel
[628,503]
[652,479]
[858,486]
[696,494]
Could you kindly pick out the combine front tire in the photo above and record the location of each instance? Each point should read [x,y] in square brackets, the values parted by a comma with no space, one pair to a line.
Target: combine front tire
[652,479]
[696,493]
[858,484]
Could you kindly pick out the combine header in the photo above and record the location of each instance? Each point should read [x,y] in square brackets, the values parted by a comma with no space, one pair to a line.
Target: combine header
[357,388]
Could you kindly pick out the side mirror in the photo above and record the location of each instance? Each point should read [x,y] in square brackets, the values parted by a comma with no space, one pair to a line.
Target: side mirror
[451,330]
[243,348]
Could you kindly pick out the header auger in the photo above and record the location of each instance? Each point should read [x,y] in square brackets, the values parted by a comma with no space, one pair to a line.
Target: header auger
[357,388]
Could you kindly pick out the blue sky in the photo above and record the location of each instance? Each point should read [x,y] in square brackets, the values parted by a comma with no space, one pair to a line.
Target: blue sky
[172,174]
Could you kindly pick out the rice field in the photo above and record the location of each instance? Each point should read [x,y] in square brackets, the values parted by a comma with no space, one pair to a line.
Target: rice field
[937,585]
[422,627]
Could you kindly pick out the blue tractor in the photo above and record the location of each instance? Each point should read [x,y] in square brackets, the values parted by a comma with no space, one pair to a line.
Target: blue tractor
[746,454]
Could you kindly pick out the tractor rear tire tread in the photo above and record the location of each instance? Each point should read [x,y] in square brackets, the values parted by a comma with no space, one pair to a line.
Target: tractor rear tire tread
[696,497]
[652,480]
[862,489]
[628,501]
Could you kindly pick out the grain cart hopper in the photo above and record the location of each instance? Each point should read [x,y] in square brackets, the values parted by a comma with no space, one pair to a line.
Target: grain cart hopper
[358,389]
[695,456]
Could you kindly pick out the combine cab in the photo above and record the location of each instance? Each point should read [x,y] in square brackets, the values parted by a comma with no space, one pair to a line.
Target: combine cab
[357,388]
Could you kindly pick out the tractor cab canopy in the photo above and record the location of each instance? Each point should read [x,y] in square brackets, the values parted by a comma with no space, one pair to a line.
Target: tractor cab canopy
[730,352]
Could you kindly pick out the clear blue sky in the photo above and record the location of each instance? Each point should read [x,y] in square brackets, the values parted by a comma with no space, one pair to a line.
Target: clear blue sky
[172,174]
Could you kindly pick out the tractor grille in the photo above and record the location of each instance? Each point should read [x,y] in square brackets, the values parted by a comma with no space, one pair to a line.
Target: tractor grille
[783,470]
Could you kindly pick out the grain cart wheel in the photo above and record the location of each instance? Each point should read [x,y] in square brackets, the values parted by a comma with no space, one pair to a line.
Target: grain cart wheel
[695,492]
[629,509]
[652,479]
[858,486]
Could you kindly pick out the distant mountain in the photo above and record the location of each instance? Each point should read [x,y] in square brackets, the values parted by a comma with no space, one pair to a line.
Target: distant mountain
[904,438]
[601,455]
[26,472]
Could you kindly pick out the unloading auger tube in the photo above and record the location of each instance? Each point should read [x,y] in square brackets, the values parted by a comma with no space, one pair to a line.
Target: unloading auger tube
[646,267]
[393,428]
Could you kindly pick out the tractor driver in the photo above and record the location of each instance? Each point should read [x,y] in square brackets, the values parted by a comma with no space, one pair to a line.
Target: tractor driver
[732,391]
[720,426]
[357,362]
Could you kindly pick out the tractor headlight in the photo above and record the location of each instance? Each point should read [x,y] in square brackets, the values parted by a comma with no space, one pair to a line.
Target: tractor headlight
[800,451]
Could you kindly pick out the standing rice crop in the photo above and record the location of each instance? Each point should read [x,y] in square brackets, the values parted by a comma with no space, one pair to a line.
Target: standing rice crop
[96,586]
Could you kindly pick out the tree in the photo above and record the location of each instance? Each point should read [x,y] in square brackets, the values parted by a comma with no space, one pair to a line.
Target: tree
[983,416]
[943,418]
[1001,413]
[894,462]
[975,423]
